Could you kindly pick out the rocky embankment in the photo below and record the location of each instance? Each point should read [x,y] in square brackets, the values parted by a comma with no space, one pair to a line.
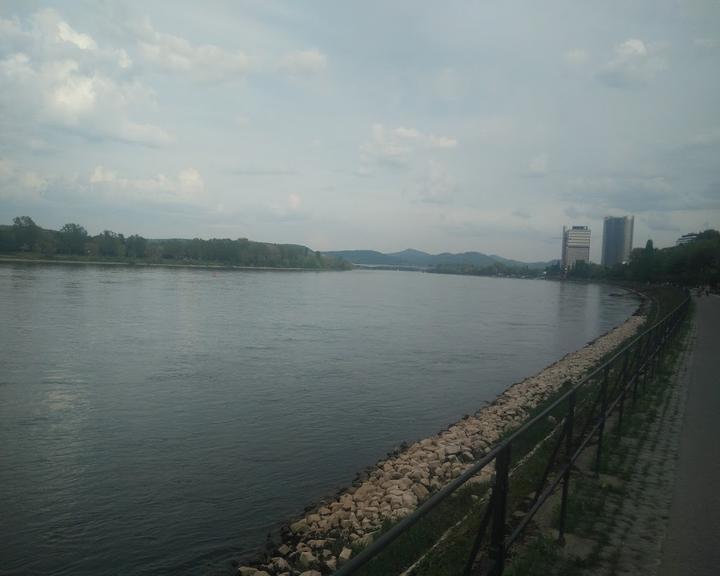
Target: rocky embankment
[321,541]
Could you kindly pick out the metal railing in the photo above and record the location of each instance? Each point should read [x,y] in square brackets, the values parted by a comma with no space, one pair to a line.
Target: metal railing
[584,410]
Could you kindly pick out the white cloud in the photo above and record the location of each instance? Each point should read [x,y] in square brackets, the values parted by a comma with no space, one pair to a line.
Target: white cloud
[59,93]
[538,166]
[67,34]
[60,77]
[187,187]
[142,133]
[294,201]
[576,57]
[633,63]
[286,209]
[174,54]
[19,183]
[448,84]
[398,144]
[71,95]
[123,60]
[438,184]
[304,63]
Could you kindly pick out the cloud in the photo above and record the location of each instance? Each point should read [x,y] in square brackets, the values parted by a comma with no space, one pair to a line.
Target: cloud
[187,187]
[448,84]
[83,41]
[287,209]
[638,194]
[438,185]
[173,54]
[707,43]
[265,172]
[634,63]
[304,63]
[294,201]
[661,222]
[19,183]
[396,146]
[523,214]
[59,93]
[56,76]
[576,57]
[538,166]
[707,137]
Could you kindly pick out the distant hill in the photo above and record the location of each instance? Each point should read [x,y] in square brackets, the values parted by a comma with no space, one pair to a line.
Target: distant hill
[419,259]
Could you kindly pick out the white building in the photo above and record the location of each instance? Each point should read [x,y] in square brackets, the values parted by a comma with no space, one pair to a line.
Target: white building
[686,239]
[575,246]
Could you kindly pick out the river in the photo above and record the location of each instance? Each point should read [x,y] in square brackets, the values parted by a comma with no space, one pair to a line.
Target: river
[164,420]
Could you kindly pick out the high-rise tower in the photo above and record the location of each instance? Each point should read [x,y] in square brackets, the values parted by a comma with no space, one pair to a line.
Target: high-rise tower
[575,246]
[617,239]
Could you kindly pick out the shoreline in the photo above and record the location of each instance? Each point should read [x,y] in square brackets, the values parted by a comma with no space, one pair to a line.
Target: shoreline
[325,535]
[132,264]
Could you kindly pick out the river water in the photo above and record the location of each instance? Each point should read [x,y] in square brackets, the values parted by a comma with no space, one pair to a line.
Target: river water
[158,421]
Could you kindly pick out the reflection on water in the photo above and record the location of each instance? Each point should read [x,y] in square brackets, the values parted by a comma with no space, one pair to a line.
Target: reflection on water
[163,420]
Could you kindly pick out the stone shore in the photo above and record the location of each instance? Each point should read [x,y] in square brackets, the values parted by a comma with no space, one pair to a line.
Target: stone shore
[319,542]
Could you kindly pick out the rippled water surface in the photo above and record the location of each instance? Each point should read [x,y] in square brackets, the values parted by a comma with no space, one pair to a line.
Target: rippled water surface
[157,421]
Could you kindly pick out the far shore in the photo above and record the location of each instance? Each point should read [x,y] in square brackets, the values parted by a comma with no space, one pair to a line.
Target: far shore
[135,263]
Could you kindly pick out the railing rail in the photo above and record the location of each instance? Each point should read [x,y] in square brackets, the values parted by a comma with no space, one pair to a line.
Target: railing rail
[633,362]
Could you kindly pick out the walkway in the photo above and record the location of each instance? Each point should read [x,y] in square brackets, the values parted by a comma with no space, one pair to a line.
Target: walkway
[692,544]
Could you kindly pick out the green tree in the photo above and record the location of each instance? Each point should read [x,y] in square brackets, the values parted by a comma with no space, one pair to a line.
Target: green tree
[26,232]
[136,246]
[7,239]
[72,239]
[110,244]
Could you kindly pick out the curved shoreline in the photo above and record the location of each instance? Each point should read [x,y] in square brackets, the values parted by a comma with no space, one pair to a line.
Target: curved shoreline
[393,487]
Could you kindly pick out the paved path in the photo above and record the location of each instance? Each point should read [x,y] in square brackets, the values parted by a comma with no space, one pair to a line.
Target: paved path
[692,544]
[629,533]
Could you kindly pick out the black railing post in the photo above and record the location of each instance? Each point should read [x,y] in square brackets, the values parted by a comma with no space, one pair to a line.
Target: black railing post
[621,408]
[569,421]
[636,368]
[500,492]
[603,410]
[656,357]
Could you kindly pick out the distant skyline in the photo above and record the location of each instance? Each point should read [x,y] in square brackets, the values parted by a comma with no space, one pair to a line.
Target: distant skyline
[385,126]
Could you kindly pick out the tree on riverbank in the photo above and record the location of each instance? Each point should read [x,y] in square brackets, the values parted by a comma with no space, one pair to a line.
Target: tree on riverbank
[27,238]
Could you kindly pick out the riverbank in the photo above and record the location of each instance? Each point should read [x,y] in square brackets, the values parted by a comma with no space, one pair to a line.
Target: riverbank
[327,535]
[144,264]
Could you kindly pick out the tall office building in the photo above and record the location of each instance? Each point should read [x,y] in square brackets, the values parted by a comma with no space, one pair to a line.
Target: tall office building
[617,239]
[575,246]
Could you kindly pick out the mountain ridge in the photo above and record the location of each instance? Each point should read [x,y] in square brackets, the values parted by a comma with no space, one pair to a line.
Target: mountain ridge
[420,259]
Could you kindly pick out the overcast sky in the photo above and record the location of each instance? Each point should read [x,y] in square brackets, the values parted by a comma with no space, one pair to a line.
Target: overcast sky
[383,125]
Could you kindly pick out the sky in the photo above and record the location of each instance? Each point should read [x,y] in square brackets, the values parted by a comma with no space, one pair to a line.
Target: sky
[452,126]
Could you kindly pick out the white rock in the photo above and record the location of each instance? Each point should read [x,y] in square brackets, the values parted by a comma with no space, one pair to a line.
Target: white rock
[344,555]
[306,559]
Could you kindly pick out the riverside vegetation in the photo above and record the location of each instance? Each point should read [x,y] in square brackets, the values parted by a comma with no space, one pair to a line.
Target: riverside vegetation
[331,533]
[25,239]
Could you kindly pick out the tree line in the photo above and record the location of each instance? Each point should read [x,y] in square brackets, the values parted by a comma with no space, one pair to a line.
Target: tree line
[73,240]
[494,269]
